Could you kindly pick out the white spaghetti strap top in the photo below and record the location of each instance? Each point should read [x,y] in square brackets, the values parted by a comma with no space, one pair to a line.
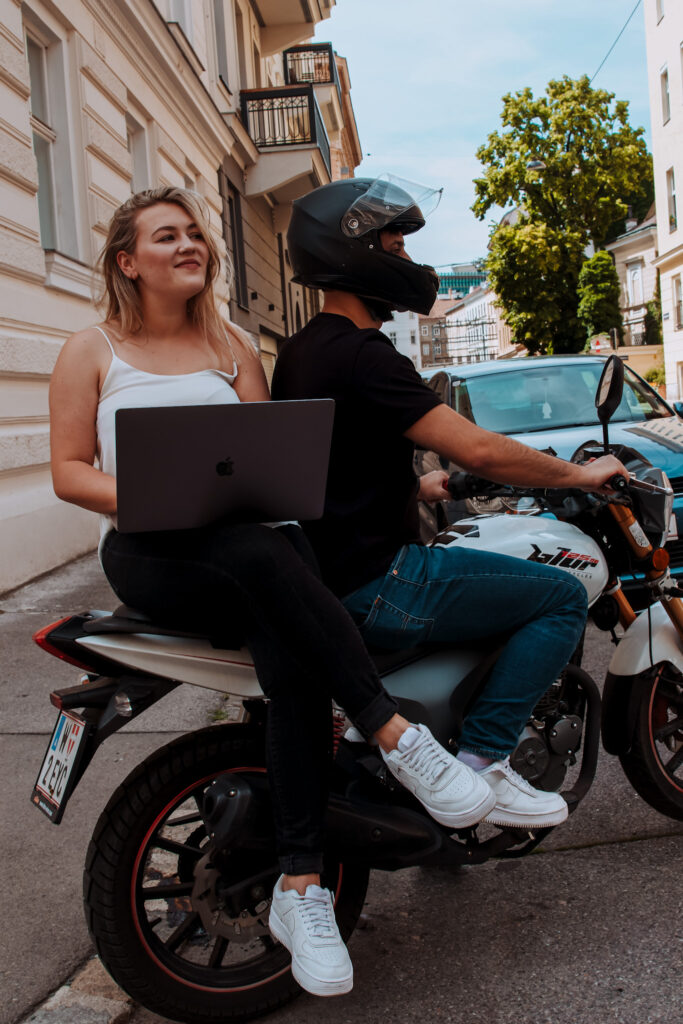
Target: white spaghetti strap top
[125,387]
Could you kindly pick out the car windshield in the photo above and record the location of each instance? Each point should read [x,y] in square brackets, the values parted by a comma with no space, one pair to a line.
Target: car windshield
[547,397]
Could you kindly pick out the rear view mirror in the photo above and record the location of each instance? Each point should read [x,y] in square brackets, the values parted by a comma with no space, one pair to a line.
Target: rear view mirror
[609,393]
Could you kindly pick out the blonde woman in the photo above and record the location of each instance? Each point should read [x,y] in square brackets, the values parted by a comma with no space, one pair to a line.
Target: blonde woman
[163,342]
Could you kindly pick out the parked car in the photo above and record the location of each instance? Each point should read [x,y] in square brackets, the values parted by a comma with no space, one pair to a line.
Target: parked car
[549,402]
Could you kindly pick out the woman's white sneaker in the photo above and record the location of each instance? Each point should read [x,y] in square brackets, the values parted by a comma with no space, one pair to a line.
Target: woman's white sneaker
[453,794]
[518,804]
[306,926]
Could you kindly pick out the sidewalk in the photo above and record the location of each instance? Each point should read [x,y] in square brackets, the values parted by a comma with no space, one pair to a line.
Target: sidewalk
[44,940]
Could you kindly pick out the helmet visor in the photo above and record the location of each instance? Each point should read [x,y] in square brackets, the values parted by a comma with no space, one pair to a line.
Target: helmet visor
[390,200]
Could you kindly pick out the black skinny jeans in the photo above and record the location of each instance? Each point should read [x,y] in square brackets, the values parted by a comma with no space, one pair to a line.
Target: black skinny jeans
[252,582]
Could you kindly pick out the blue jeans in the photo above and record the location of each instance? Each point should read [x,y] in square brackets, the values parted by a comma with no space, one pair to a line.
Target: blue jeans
[454,595]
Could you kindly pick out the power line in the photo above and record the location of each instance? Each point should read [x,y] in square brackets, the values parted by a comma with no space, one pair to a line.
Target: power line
[604,60]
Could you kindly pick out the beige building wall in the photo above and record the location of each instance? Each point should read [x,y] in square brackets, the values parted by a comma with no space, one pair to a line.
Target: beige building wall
[664,34]
[99,99]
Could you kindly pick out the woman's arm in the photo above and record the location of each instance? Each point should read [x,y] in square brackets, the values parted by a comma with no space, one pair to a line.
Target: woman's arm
[251,384]
[74,395]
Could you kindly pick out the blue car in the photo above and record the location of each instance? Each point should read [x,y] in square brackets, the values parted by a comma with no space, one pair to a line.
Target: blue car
[549,402]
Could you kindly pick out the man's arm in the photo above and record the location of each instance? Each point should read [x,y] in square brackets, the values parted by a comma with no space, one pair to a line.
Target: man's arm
[497,457]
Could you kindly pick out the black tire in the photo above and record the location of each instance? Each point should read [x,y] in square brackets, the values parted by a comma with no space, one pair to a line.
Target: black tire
[654,764]
[160,948]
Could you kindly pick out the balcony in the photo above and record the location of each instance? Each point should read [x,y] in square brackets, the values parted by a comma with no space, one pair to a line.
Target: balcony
[286,126]
[284,22]
[314,63]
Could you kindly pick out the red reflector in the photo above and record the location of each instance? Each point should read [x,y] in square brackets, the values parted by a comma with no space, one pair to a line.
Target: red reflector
[660,559]
[41,638]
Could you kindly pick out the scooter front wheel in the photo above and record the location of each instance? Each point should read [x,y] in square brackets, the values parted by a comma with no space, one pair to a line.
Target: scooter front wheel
[188,939]
[654,764]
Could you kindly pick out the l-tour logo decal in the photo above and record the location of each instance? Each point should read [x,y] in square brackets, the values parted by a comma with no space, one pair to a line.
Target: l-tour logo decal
[564,557]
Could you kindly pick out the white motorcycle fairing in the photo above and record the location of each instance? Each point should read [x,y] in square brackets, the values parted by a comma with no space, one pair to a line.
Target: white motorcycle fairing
[534,538]
[651,639]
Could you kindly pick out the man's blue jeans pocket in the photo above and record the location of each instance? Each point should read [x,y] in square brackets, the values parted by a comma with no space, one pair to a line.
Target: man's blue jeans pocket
[384,610]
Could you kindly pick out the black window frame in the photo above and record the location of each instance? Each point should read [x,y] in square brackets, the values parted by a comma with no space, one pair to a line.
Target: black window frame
[234,238]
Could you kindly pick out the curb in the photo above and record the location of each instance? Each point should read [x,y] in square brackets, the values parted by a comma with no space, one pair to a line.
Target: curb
[90,997]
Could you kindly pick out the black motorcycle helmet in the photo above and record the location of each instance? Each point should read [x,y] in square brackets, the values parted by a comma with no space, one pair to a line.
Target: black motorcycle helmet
[333,241]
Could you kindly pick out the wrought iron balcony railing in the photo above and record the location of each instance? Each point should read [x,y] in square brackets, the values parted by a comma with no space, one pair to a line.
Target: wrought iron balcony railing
[285,116]
[312,62]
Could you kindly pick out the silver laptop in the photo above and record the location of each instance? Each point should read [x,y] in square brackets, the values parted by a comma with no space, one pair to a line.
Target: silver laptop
[181,467]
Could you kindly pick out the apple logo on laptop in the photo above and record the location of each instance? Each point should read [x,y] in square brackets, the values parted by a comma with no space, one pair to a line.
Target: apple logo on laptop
[226,467]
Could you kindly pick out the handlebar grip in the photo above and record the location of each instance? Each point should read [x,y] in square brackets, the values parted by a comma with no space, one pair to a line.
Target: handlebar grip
[618,482]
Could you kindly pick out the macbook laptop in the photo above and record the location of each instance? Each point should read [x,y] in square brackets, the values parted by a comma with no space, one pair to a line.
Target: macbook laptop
[181,467]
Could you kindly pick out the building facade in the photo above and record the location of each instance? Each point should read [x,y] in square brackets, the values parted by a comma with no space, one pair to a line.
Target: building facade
[434,347]
[457,280]
[102,99]
[403,332]
[635,257]
[476,329]
[664,35]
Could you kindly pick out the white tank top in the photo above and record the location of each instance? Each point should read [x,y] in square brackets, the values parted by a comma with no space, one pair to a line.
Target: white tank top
[125,387]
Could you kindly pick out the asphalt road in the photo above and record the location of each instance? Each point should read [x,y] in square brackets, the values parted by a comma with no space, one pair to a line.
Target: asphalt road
[588,929]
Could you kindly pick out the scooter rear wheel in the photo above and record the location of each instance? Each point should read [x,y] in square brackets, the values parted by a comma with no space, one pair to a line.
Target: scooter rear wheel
[654,764]
[186,940]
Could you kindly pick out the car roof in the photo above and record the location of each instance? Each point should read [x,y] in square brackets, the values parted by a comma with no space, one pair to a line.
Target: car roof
[507,365]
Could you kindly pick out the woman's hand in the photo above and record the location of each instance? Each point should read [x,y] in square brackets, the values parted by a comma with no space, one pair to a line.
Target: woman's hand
[74,396]
[433,486]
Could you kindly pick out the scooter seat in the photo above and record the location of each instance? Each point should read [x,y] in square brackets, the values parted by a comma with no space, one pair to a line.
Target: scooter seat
[125,619]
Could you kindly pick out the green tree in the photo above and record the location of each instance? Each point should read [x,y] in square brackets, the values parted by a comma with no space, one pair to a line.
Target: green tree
[653,317]
[565,161]
[598,293]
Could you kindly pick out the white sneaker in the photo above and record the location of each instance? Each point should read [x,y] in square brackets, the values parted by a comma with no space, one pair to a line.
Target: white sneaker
[306,926]
[518,804]
[453,794]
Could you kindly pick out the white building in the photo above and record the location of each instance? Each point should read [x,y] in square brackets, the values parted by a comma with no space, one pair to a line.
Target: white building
[403,331]
[664,33]
[102,98]
[476,330]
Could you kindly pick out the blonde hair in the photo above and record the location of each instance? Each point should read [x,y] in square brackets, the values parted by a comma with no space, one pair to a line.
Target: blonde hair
[120,298]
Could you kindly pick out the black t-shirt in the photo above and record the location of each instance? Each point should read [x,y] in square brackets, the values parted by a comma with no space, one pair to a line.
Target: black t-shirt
[371,501]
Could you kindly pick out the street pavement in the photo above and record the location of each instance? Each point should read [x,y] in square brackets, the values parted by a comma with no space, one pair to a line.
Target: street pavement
[588,929]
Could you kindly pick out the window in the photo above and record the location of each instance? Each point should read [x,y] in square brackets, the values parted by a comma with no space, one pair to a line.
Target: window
[678,302]
[424,331]
[137,147]
[44,138]
[666,99]
[671,198]
[634,284]
[221,42]
[436,331]
[234,240]
[413,339]
[181,11]
[49,126]
[411,315]
[437,348]
[425,350]
[392,338]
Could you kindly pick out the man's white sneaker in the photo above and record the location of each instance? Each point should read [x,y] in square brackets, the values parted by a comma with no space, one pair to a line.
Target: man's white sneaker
[453,794]
[306,926]
[518,804]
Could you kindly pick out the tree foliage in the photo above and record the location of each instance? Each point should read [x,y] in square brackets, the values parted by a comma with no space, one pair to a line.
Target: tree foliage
[598,293]
[593,159]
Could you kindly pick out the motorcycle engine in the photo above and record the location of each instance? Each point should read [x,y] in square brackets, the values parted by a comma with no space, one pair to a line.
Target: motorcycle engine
[548,744]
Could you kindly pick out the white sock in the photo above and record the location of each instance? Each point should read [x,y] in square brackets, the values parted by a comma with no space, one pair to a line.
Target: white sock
[407,739]
[475,761]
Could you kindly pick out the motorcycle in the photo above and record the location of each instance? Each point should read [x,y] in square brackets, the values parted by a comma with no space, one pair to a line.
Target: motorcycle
[181,864]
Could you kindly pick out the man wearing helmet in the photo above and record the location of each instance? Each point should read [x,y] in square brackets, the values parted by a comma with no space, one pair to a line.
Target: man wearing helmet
[347,238]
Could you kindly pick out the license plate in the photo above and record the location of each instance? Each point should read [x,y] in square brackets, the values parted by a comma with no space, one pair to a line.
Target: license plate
[55,778]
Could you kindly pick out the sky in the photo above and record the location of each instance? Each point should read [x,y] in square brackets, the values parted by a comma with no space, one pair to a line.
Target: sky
[427,79]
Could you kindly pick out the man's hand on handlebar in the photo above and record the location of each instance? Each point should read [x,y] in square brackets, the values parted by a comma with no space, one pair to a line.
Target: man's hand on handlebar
[601,476]
[433,486]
